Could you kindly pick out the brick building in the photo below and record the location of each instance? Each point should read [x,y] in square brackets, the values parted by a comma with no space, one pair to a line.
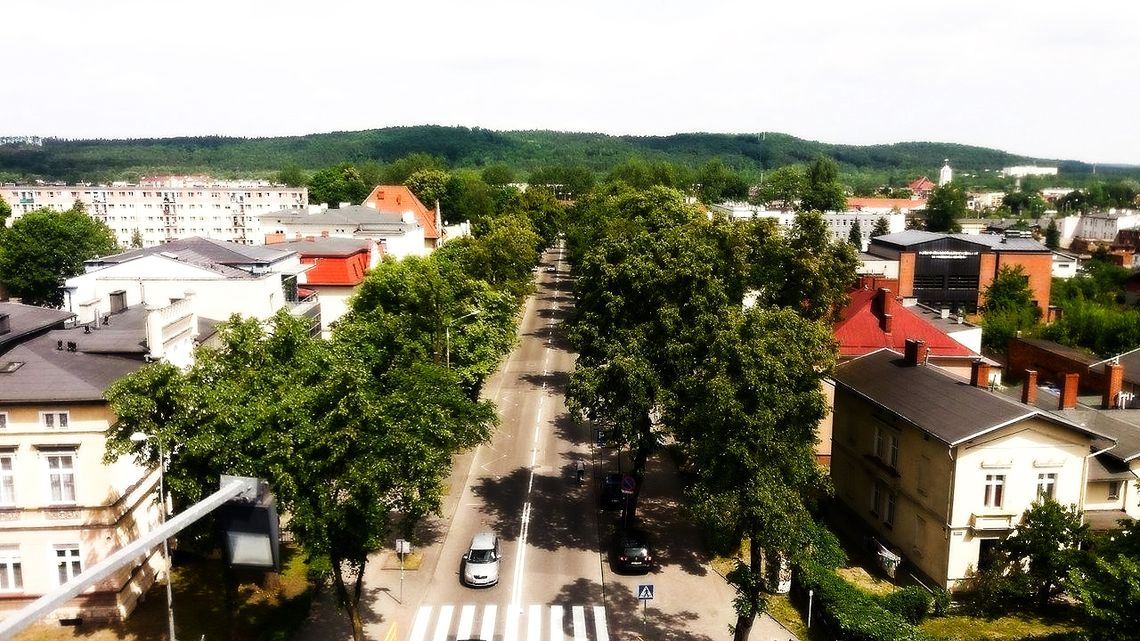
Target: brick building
[954,270]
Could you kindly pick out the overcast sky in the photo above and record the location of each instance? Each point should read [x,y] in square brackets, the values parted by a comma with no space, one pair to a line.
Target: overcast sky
[1036,77]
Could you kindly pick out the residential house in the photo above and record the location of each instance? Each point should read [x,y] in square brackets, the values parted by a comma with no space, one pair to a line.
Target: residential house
[62,509]
[921,187]
[398,234]
[398,199]
[1065,265]
[225,278]
[339,266]
[938,469]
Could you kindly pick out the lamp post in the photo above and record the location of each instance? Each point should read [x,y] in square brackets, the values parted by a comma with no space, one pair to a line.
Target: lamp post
[447,336]
[162,461]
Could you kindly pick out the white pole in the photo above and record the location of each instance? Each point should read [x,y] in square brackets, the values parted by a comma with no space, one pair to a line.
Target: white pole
[811,593]
[162,460]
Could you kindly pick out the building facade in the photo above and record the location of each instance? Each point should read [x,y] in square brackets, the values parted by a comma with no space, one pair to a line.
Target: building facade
[159,210]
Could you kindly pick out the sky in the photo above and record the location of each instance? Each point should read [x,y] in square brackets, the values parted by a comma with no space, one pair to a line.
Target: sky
[1040,78]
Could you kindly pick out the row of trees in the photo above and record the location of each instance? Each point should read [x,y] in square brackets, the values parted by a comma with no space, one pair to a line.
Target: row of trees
[355,434]
[667,349]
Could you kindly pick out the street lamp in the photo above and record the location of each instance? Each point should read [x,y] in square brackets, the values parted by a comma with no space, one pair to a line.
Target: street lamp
[447,335]
[139,437]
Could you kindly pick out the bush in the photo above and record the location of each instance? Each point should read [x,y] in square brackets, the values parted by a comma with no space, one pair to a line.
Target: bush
[848,613]
[912,604]
[940,602]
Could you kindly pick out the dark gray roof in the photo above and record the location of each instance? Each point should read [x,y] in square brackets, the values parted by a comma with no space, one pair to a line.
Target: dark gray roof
[27,320]
[1101,520]
[946,407]
[1130,361]
[49,374]
[1107,468]
[203,252]
[1121,425]
[1073,353]
[904,239]
[326,246]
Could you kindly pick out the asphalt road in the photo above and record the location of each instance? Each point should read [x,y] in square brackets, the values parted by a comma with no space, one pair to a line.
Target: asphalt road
[555,582]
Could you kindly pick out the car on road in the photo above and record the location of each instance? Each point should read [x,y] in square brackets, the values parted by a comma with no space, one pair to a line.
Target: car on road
[610,496]
[551,269]
[630,551]
[481,561]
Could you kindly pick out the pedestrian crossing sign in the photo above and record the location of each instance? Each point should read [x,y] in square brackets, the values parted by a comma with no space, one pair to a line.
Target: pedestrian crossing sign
[645,591]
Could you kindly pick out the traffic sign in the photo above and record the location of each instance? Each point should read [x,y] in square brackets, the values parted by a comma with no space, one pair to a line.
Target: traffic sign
[600,437]
[403,546]
[645,591]
[628,484]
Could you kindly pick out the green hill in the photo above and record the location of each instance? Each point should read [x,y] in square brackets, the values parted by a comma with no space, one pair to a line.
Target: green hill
[99,160]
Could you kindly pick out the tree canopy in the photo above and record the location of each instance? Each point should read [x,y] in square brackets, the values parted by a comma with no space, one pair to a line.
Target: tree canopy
[947,203]
[823,191]
[43,248]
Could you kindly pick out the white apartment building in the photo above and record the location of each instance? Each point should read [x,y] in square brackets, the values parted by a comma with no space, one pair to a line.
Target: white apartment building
[1105,225]
[838,223]
[1021,171]
[166,208]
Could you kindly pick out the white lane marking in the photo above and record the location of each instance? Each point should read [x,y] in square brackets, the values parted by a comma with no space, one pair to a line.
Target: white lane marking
[419,628]
[555,623]
[601,632]
[520,555]
[443,625]
[466,619]
[579,614]
[487,631]
[511,624]
[534,623]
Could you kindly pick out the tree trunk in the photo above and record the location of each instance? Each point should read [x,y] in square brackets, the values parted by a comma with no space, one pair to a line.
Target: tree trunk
[744,621]
[351,603]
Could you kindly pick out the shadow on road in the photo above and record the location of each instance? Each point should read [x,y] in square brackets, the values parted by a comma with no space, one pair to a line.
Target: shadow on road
[624,613]
[560,508]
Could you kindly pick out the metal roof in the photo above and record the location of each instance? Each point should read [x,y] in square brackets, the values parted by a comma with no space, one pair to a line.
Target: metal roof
[910,237]
[25,320]
[198,250]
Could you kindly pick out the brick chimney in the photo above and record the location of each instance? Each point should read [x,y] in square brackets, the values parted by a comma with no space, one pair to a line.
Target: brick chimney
[980,373]
[1069,386]
[884,301]
[1029,387]
[914,351]
[885,323]
[1113,382]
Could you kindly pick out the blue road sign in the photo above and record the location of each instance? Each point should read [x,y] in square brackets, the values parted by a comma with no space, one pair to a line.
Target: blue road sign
[628,484]
[645,591]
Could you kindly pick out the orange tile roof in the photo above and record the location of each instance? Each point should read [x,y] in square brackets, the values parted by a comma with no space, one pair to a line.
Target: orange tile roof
[921,184]
[398,199]
[885,203]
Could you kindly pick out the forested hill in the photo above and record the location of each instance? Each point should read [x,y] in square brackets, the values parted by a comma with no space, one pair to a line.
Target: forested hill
[94,160]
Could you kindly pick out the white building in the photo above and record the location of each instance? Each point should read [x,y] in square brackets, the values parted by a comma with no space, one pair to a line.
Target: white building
[1104,226]
[399,235]
[946,174]
[1065,265]
[163,209]
[838,223]
[1022,171]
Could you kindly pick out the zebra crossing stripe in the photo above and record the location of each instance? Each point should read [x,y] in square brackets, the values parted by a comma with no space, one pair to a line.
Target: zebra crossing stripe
[443,624]
[601,630]
[466,620]
[511,624]
[419,628]
[555,623]
[534,623]
[487,632]
[579,614]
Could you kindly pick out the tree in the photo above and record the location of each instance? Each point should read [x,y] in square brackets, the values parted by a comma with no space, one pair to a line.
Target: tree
[498,175]
[291,175]
[716,182]
[947,203]
[1008,308]
[1024,203]
[748,429]
[823,191]
[855,236]
[467,197]
[1108,588]
[400,170]
[5,213]
[136,239]
[503,255]
[1052,235]
[783,187]
[882,227]
[355,438]
[340,184]
[565,181]
[43,248]
[429,185]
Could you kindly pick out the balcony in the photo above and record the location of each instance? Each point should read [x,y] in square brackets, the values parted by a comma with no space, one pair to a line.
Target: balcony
[992,521]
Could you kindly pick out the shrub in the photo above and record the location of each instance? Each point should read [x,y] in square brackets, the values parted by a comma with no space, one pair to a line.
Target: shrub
[912,604]
[940,602]
[848,613]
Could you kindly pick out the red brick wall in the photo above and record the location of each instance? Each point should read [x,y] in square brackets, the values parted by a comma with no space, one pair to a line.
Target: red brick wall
[1051,366]
[906,274]
[1039,268]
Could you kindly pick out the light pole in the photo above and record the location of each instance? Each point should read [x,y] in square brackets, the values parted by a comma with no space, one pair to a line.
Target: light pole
[447,336]
[162,461]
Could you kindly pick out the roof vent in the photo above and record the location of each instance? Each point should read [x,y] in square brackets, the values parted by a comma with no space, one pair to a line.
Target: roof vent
[10,366]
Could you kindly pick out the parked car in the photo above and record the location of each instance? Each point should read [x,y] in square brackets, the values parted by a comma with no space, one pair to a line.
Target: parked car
[630,551]
[610,496]
[481,562]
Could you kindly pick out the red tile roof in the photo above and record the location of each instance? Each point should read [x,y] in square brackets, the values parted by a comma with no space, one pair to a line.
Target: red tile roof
[397,199]
[861,329]
[903,204]
[348,270]
[921,184]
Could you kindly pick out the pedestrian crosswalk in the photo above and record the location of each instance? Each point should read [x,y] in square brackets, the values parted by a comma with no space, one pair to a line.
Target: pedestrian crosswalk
[510,623]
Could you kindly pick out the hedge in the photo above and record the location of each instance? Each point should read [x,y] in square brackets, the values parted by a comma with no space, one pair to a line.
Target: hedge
[846,612]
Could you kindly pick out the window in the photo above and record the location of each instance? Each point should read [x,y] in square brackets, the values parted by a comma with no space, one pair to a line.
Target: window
[11,574]
[1113,490]
[889,509]
[1047,485]
[995,489]
[3,420]
[67,562]
[52,420]
[7,479]
[61,477]
[923,483]
[887,446]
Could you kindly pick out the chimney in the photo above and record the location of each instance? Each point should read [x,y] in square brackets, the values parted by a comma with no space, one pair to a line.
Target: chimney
[980,373]
[1113,381]
[914,351]
[1069,386]
[885,323]
[884,300]
[1029,387]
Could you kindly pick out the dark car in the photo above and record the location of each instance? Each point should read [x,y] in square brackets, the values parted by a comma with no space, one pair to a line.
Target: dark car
[610,496]
[630,551]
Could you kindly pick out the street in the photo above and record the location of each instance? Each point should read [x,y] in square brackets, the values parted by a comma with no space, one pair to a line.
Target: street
[554,579]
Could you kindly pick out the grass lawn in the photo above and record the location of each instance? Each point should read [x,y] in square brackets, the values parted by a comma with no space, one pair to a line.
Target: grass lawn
[268,607]
[1007,628]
